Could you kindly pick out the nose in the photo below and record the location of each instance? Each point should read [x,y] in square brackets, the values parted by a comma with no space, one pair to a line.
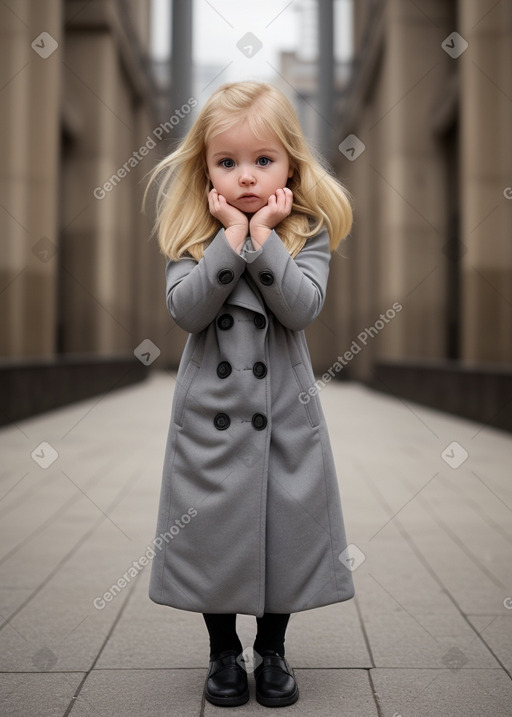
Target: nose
[246,176]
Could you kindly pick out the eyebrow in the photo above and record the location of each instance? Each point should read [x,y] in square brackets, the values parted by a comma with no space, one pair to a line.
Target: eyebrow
[261,150]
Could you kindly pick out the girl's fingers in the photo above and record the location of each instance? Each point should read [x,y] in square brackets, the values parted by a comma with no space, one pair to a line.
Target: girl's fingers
[281,198]
[217,202]
[213,202]
[285,195]
[288,199]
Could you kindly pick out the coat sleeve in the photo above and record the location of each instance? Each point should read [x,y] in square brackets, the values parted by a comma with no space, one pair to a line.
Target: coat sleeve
[195,291]
[293,289]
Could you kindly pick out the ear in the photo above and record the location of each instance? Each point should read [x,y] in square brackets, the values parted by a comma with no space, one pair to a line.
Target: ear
[291,172]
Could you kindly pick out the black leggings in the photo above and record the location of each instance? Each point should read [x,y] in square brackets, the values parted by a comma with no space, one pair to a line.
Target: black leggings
[223,636]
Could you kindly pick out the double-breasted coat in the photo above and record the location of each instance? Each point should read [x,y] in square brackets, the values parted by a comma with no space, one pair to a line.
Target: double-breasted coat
[250,518]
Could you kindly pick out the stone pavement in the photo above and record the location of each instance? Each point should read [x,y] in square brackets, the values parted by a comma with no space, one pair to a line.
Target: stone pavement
[428,504]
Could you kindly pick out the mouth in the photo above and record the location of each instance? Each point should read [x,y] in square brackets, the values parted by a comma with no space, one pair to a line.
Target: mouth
[248,197]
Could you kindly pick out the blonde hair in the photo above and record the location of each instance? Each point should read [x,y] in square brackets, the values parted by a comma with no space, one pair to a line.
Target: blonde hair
[183,221]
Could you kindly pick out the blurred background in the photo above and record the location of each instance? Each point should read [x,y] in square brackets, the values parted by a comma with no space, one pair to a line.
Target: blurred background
[409,101]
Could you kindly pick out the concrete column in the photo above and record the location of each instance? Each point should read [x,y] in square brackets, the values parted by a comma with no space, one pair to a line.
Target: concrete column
[181,58]
[408,172]
[326,90]
[97,230]
[397,181]
[486,118]
[150,315]
[29,136]
[140,11]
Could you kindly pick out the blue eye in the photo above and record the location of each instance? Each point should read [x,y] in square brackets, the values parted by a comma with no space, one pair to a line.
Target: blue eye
[264,161]
[227,163]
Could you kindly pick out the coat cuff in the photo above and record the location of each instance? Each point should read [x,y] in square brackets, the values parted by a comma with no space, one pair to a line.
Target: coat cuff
[293,289]
[197,290]
[248,252]
[270,253]
[220,254]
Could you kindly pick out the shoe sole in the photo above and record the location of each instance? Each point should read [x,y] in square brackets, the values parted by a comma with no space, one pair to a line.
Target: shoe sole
[228,701]
[278,701]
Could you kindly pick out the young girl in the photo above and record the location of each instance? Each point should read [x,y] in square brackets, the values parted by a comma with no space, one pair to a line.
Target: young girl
[250,517]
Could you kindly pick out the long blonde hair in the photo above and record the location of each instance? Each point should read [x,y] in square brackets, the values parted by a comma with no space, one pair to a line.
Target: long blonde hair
[183,222]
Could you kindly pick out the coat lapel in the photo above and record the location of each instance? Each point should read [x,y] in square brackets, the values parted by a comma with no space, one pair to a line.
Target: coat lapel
[247,294]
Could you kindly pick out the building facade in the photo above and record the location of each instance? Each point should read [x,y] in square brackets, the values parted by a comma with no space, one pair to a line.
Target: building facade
[79,107]
[426,149]
[420,295]
[82,122]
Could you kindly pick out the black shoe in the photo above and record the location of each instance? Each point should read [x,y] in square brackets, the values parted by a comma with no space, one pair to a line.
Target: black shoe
[275,681]
[226,683]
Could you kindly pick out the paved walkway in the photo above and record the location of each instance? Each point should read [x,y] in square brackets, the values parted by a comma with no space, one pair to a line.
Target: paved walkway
[428,506]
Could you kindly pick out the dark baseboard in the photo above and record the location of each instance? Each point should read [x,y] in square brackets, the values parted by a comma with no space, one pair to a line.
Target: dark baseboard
[480,392]
[32,386]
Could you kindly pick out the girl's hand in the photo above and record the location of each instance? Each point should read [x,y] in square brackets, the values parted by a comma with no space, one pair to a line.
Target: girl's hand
[235,223]
[278,207]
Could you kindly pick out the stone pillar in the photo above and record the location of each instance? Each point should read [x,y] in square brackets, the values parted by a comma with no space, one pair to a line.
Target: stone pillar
[151,318]
[409,175]
[486,139]
[397,181]
[97,210]
[30,58]
[326,91]
[181,58]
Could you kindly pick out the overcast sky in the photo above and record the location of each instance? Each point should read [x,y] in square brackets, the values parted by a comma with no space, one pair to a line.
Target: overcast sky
[277,24]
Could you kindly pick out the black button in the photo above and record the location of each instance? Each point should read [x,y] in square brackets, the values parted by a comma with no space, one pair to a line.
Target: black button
[225,276]
[260,321]
[266,277]
[221,421]
[223,369]
[225,322]
[259,369]
[259,421]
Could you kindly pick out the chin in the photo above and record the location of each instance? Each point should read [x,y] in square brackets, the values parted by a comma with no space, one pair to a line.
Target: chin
[247,213]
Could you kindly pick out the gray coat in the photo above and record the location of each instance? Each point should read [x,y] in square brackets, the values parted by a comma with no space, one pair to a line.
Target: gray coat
[250,517]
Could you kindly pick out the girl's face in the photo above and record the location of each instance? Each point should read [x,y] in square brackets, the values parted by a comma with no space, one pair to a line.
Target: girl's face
[247,169]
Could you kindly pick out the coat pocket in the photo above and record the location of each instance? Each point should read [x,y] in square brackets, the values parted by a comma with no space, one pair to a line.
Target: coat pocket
[183,384]
[309,402]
